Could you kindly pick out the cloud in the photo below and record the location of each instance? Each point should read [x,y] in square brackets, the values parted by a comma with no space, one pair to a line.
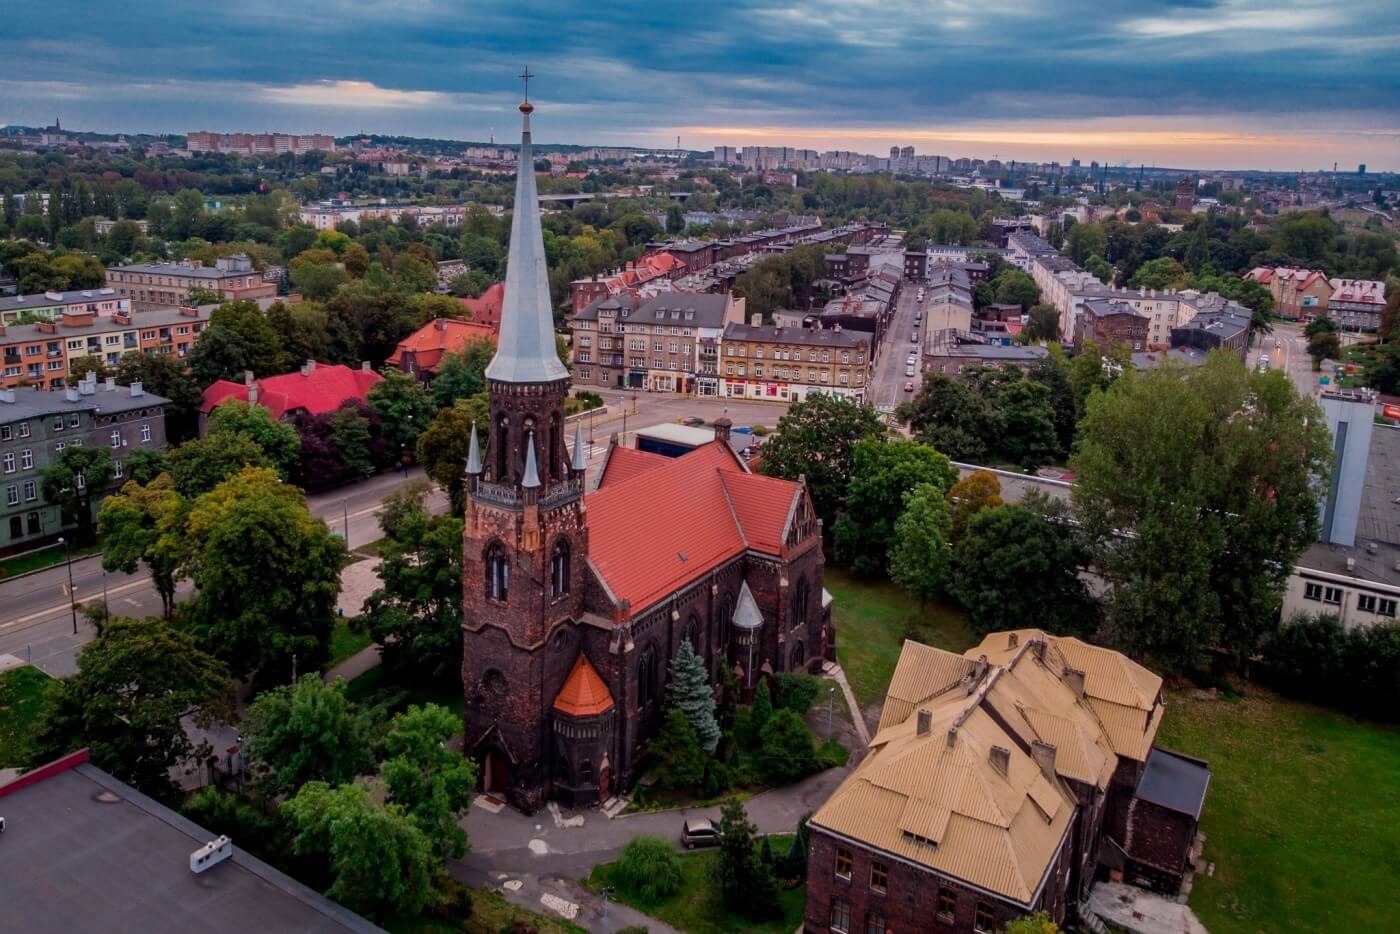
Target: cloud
[352,95]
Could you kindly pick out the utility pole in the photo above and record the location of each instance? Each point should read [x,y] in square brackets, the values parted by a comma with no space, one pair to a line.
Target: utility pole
[830,704]
[72,594]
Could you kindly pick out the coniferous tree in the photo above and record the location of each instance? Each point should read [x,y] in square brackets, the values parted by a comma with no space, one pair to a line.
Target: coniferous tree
[678,750]
[690,692]
[762,707]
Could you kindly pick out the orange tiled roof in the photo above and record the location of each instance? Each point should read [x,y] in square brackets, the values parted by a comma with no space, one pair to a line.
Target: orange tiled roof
[486,310]
[436,339]
[682,517]
[326,388]
[625,463]
[584,694]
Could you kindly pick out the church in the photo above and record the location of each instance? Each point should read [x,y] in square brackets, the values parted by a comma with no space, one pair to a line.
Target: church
[576,600]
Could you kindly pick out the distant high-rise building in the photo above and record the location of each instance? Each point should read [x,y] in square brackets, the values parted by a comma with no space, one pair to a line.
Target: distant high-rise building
[907,152]
[726,155]
[1361,169]
[1185,194]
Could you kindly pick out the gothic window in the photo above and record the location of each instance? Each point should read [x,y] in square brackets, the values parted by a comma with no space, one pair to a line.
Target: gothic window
[798,657]
[559,569]
[799,602]
[494,681]
[585,772]
[502,449]
[497,572]
[555,450]
[692,632]
[725,614]
[646,678]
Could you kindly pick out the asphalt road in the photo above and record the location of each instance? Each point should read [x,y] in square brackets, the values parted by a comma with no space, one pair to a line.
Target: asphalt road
[1288,350]
[887,381]
[36,620]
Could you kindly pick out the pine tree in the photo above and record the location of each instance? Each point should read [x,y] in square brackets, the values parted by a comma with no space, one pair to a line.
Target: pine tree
[690,692]
[765,853]
[762,707]
[676,747]
[735,865]
[795,860]
[728,698]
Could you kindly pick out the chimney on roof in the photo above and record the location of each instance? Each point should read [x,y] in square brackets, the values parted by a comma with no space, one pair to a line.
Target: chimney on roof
[755,319]
[247,377]
[1075,679]
[71,393]
[723,424]
[137,390]
[952,736]
[924,723]
[365,367]
[1044,756]
[308,368]
[7,395]
[1011,640]
[109,384]
[1000,758]
[252,393]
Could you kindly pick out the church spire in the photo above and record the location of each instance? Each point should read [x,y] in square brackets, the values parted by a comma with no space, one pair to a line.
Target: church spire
[525,351]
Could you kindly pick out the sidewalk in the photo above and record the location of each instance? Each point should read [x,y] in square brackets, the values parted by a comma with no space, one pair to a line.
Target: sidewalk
[559,897]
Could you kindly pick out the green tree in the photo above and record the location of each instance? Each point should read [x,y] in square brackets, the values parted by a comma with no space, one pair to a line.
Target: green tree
[883,471]
[785,752]
[816,439]
[145,464]
[919,554]
[238,337]
[1215,471]
[73,479]
[442,449]
[404,410]
[744,885]
[969,496]
[762,708]
[950,416]
[145,525]
[1160,273]
[675,219]
[382,863]
[318,282]
[428,779]
[1100,268]
[133,686]
[351,432]
[1029,437]
[308,731]
[1007,543]
[1092,370]
[277,440]
[1038,923]
[266,574]
[1324,345]
[794,863]
[678,750]
[302,328]
[1086,240]
[689,690]
[1014,287]
[164,375]
[462,373]
[79,369]
[200,465]
[648,869]
[1044,324]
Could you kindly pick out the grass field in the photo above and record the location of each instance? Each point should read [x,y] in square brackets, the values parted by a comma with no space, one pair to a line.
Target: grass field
[43,558]
[371,688]
[1302,819]
[22,693]
[345,642]
[696,908]
[873,618]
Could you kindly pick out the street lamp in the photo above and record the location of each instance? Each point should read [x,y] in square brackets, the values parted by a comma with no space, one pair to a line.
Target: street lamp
[72,596]
[830,703]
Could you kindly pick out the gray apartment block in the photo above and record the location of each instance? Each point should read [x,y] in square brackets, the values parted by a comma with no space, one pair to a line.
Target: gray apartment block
[37,424]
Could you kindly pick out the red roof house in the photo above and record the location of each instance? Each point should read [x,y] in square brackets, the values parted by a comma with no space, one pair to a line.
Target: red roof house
[316,389]
[486,310]
[420,353]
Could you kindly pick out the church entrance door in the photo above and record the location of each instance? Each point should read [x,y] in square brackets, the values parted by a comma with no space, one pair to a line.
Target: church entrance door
[495,772]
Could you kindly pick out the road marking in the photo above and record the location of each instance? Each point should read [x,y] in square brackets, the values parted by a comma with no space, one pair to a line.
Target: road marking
[59,607]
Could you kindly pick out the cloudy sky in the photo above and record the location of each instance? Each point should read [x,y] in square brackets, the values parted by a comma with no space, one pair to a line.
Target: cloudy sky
[1205,83]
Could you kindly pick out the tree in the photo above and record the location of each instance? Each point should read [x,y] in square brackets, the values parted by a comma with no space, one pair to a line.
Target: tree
[145,525]
[678,751]
[919,554]
[950,416]
[762,708]
[1092,370]
[744,885]
[1014,287]
[317,282]
[794,863]
[200,465]
[79,369]
[145,464]
[675,219]
[462,373]
[1085,240]
[1052,372]
[1160,273]
[1324,345]
[1038,923]
[302,328]
[969,496]
[266,574]
[442,449]
[1044,324]
[785,751]
[238,337]
[816,439]
[404,410]
[164,375]
[351,432]
[307,731]
[882,472]
[648,869]
[689,691]
[728,708]
[1011,565]
[382,863]
[277,440]
[1100,268]
[71,481]
[1029,437]
[428,779]
[133,686]
[1215,471]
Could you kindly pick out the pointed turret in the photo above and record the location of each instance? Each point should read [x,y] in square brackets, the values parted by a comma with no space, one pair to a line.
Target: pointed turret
[525,350]
[580,455]
[531,479]
[474,454]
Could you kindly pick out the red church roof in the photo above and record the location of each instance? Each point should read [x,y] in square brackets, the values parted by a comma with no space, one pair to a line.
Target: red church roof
[584,694]
[625,463]
[427,346]
[668,522]
[324,389]
[486,310]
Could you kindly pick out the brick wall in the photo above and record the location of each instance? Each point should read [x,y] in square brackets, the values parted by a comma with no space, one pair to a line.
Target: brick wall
[1157,843]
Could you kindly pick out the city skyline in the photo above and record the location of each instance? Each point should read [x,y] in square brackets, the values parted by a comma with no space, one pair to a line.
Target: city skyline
[1212,84]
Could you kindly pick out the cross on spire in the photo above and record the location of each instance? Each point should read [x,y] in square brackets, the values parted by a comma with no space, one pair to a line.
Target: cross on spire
[526,76]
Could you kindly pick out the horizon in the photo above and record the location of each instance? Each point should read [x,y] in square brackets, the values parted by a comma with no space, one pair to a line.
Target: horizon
[1228,85]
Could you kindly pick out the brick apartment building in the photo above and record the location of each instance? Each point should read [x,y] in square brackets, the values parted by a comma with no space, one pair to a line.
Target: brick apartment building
[760,361]
[258,144]
[999,783]
[1297,293]
[100,303]
[42,354]
[167,285]
[1356,304]
[1112,322]
[669,343]
[574,602]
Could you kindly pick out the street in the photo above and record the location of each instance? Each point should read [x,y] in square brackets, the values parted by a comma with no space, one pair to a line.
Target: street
[1288,350]
[888,377]
[37,622]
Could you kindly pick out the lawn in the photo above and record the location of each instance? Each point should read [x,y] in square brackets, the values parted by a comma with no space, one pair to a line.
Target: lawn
[1302,819]
[43,558]
[696,908]
[345,642]
[22,698]
[491,914]
[873,618]
[371,689]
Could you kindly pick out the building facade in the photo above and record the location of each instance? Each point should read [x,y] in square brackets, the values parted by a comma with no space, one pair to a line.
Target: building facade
[759,361]
[1298,293]
[43,354]
[49,306]
[574,602]
[1110,322]
[668,343]
[1356,304]
[166,285]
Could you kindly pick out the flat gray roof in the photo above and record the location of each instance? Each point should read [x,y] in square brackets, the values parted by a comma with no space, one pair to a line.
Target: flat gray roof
[83,851]
[32,402]
[1175,782]
[46,299]
[155,318]
[175,269]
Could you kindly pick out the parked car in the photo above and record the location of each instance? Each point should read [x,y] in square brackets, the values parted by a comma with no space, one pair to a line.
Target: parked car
[699,831]
[742,430]
[909,387]
[694,421]
[914,338]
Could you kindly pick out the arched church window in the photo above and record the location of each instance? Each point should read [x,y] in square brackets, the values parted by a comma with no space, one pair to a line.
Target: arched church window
[646,678]
[497,572]
[797,658]
[691,633]
[502,440]
[723,617]
[799,602]
[559,568]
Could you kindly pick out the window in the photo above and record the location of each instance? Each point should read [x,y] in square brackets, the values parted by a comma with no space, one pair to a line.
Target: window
[12,495]
[58,448]
[5,432]
[874,923]
[145,432]
[116,469]
[74,421]
[1312,592]
[840,915]
[58,423]
[24,429]
[9,462]
[31,491]
[116,439]
[879,876]
[799,602]
[947,905]
[692,632]
[1366,603]
[497,572]
[843,862]
[984,920]
[1332,595]
[646,678]
[26,459]
[16,527]
[1387,608]
[559,569]
[81,481]
[35,527]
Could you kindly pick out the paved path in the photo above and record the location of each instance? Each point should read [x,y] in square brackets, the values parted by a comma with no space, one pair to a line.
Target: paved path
[354,666]
[857,718]
[557,896]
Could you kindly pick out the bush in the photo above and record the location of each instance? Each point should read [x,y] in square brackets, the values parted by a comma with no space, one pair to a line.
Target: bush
[832,754]
[1317,659]
[761,431]
[785,751]
[796,692]
[648,869]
